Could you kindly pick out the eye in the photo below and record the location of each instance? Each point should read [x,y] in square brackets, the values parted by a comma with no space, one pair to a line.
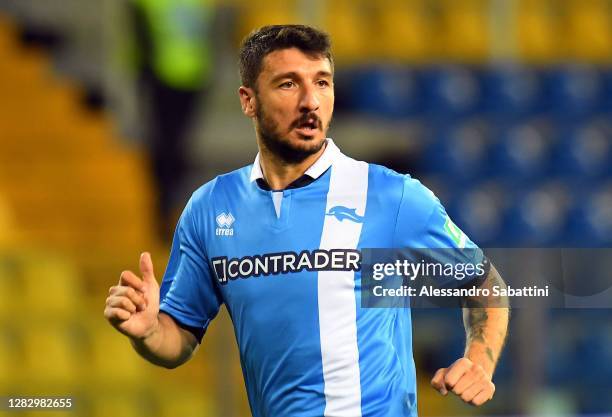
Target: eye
[287,84]
[323,83]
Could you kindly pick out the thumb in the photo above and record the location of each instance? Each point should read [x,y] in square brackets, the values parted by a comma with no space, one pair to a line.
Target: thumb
[438,381]
[146,267]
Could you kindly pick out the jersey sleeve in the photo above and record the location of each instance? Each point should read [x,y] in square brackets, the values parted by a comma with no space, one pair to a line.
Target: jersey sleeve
[422,223]
[188,293]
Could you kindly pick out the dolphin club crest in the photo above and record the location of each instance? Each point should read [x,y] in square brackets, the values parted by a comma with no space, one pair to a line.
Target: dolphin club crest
[341,213]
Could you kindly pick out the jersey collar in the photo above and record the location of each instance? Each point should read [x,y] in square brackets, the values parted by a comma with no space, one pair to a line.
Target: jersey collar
[317,169]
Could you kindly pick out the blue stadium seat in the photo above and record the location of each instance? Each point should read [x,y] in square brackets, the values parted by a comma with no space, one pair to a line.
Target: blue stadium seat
[479,212]
[451,92]
[458,152]
[584,152]
[521,153]
[590,220]
[538,216]
[512,91]
[575,91]
[560,351]
[581,340]
[392,92]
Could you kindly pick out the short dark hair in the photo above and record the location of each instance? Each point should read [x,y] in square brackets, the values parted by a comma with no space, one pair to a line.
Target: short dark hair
[264,40]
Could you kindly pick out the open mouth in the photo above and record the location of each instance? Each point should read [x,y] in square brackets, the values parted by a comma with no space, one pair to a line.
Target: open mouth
[308,127]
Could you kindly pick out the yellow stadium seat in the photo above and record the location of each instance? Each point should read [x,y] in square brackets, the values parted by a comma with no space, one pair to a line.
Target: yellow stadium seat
[465,30]
[404,30]
[111,358]
[52,285]
[349,23]
[10,358]
[538,31]
[589,30]
[256,13]
[125,403]
[53,351]
[93,190]
[11,292]
[185,401]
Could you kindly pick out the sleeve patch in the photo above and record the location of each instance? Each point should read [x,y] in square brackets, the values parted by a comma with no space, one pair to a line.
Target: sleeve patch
[455,233]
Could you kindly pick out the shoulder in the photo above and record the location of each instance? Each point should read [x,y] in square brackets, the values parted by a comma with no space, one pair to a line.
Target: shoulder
[408,189]
[385,180]
[197,213]
[220,184]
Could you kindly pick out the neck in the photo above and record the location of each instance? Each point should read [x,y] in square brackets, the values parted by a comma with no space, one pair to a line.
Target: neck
[279,173]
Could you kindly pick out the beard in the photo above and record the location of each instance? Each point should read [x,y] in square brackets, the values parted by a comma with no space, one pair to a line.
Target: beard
[281,146]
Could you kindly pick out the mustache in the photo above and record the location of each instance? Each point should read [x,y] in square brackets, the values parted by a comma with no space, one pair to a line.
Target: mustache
[305,118]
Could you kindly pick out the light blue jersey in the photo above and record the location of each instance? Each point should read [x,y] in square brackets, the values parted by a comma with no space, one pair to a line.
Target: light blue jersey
[286,265]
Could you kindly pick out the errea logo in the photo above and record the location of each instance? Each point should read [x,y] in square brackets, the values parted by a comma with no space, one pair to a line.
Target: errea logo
[225,222]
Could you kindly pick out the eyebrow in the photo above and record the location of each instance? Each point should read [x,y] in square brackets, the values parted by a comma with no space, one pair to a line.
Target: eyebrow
[293,74]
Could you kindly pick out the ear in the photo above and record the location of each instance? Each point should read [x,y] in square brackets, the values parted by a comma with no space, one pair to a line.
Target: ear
[247,101]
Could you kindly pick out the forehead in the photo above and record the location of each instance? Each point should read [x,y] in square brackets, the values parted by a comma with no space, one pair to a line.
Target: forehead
[293,60]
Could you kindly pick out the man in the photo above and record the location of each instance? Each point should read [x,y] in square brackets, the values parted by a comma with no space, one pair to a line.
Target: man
[260,240]
[174,71]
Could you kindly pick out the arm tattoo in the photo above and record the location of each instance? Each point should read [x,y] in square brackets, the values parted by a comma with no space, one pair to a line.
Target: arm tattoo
[475,314]
[477,321]
[490,354]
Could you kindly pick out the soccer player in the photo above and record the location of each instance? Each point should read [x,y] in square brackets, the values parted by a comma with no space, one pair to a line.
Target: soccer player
[278,243]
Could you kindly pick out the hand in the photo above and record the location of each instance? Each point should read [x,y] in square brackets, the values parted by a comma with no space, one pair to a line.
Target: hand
[133,304]
[467,380]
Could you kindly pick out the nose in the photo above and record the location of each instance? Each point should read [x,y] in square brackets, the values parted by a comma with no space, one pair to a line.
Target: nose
[309,101]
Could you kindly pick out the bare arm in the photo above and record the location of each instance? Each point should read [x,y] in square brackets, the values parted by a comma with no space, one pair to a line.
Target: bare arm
[168,345]
[133,309]
[486,325]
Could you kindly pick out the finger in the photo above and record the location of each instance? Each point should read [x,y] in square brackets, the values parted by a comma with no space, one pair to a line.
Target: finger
[134,296]
[121,302]
[128,278]
[484,395]
[116,315]
[456,371]
[470,393]
[146,267]
[466,381]
[438,381]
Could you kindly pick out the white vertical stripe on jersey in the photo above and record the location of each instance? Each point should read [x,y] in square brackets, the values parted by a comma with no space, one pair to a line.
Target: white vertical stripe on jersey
[348,187]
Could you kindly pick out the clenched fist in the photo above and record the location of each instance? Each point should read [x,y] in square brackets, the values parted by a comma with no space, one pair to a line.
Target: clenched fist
[467,380]
[133,304]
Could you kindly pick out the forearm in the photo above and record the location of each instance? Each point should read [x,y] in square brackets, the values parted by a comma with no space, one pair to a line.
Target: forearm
[486,324]
[485,341]
[167,345]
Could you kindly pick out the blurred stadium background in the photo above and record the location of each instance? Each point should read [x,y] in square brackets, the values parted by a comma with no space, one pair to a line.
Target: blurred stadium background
[503,107]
